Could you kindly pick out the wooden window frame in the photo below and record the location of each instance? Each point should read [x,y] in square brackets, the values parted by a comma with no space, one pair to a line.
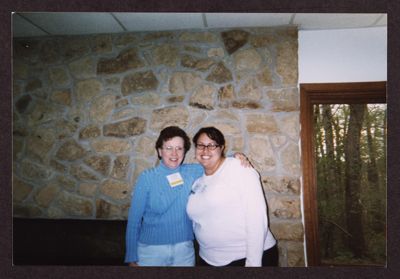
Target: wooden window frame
[325,93]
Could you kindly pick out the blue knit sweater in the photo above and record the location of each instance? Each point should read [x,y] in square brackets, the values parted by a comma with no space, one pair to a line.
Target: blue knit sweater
[158,211]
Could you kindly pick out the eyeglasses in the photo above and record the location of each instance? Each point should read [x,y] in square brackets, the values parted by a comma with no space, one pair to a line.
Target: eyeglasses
[210,146]
[170,149]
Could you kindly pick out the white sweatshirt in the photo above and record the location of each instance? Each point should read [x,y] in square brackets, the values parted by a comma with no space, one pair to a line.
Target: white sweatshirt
[229,215]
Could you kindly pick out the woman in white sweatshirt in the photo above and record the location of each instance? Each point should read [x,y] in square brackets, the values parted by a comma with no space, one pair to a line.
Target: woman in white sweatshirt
[228,208]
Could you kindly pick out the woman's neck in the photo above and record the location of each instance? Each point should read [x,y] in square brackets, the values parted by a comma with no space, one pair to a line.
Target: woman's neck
[167,168]
[212,170]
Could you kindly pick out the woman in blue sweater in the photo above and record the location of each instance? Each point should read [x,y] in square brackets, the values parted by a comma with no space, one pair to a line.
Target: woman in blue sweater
[159,232]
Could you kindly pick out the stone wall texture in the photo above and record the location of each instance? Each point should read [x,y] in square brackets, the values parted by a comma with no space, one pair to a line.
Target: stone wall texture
[88,109]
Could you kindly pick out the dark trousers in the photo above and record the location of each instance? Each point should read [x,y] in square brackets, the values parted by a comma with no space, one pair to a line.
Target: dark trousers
[270,257]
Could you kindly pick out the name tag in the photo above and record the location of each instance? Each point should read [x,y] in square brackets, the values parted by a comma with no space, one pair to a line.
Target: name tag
[175,179]
[198,188]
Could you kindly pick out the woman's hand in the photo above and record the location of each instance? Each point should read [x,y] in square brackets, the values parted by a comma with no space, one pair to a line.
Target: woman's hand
[244,161]
[133,264]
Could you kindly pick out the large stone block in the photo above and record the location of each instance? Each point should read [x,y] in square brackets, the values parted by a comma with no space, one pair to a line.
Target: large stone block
[284,99]
[102,108]
[32,171]
[262,154]
[23,103]
[287,66]
[75,47]
[139,82]
[83,68]
[66,182]
[117,190]
[58,166]
[175,99]
[146,146]
[59,77]
[87,89]
[226,114]
[289,124]
[278,140]
[288,229]
[121,167]
[107,210]
[102,43]
[62,97]
[203,97]
[121,103]
[166,54]
[148,99]
[216,52]
[290,157]
[284,207]
[83,173]
[248,59]
[65,128]
[126,60]
[265,77]
[250,90]
[42,113]
[47,194]
[226,93]
[234,39]
[282,184]
[220,74]
[183,82]
[246,104]
[295,251]
[87,189]
[99,163]
[90,131]
[261,123]
[267,39]
[199,117]
[228,129]
[70,151]
[124,113]
[21,189]
[111,145]
[127,128]
[175,115]
[196,63]
[40,143]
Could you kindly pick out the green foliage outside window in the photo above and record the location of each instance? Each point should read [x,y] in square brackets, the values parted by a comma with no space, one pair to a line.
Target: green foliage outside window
[350,150]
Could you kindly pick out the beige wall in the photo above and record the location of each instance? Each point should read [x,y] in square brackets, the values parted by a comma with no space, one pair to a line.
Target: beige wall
[88,109]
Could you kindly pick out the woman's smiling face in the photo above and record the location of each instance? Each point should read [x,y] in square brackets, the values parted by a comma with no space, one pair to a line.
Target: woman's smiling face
[209,159]
[172,152]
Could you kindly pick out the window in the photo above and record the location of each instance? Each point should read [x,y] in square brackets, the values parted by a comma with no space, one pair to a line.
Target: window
[343,135]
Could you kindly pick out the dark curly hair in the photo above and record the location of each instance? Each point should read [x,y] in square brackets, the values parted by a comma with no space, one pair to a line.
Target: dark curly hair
[169,133]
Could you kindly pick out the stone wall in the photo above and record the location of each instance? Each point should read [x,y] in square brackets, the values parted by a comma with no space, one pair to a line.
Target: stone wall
[88,109]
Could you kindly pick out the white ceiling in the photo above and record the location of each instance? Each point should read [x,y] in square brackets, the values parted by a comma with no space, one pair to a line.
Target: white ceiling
[77,23]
